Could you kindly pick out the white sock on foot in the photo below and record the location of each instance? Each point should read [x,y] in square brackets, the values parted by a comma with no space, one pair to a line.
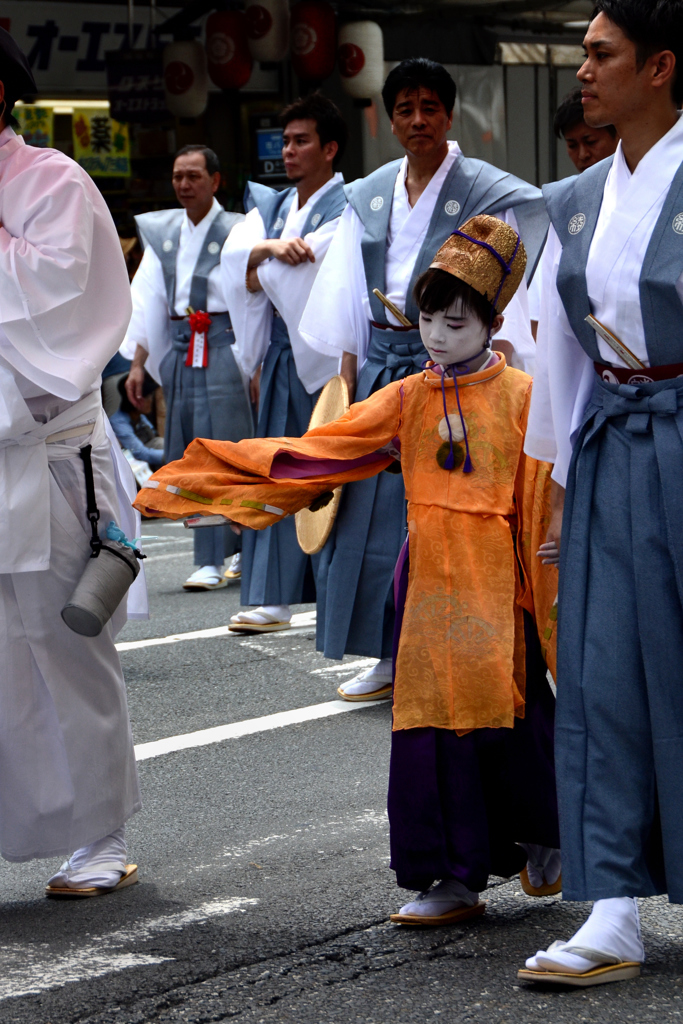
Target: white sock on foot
[99,865]
[441,898]
[612,928]
[265,614]
[544,864]
[369,680]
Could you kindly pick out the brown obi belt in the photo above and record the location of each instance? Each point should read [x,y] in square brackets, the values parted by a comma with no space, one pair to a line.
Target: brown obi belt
[186,317]
[648,375]
[390,327]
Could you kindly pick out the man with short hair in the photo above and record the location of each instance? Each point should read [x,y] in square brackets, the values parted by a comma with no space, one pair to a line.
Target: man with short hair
[611,420]
[269,265]
[181,332]
[396,220]
[586,145]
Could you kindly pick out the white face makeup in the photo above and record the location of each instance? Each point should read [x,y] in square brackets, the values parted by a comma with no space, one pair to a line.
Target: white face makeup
[451,335]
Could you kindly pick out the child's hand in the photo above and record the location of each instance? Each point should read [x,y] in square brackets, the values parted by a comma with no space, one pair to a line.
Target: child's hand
[549,553]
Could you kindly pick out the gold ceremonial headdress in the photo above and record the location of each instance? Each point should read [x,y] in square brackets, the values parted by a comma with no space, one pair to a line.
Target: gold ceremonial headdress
[487,254]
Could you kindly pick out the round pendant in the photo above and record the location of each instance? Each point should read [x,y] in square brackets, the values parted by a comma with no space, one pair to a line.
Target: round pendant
[456,428]
[444,450]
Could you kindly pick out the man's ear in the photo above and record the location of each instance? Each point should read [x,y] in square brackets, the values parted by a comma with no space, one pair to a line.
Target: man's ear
[215,181]
[330,150]
[498,322]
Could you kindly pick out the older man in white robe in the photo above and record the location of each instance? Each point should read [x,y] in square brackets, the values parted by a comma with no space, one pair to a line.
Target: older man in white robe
[68,779]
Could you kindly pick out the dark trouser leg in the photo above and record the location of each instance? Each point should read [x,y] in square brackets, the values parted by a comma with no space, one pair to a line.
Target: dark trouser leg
[210,545]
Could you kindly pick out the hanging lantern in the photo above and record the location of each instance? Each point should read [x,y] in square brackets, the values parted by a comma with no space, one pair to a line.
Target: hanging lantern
[268,29]
[361,59]
[185,80]
[227,48]
[313,40]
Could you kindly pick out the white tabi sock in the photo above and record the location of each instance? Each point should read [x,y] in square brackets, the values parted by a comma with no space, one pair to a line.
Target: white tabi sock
[370,680]
[99,865]
[544,864]
[613,928]
[441,898]
[264,615]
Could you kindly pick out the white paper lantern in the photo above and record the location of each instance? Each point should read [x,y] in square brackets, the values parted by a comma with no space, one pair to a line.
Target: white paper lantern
[268,29]
[360,56]
[186,80]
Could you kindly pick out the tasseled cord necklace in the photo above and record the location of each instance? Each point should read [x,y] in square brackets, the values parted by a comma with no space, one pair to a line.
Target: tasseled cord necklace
[459,368]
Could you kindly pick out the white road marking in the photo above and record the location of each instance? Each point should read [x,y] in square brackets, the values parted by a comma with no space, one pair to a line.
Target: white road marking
[28,968]
[300,621]
[204,737]
[348,665]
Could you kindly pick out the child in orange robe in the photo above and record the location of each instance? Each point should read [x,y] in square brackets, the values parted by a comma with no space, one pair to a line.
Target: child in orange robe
[472,786]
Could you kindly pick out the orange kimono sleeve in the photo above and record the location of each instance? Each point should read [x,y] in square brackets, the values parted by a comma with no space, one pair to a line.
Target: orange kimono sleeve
[259,481]
[539,585]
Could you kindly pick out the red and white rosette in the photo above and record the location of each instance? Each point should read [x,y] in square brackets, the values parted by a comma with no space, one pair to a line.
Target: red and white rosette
[198,349]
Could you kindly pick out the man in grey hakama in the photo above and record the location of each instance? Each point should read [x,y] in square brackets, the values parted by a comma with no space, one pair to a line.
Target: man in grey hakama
[269,266]
[205,397]
[355,577]
[615,251]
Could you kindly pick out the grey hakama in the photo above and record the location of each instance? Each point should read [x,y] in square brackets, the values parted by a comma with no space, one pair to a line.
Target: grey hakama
[209,402]
[620,656]
[274,568]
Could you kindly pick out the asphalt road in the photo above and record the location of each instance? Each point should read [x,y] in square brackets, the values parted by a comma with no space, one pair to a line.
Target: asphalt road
[265,887]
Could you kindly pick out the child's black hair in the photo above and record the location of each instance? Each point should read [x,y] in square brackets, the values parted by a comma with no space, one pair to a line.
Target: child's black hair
[437,289]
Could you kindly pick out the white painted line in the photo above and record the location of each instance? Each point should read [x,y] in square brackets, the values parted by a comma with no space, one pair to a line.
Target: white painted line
[204,737]
[29,968]
[299,621]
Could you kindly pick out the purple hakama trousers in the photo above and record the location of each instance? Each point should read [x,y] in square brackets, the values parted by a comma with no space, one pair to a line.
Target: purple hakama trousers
[458,805]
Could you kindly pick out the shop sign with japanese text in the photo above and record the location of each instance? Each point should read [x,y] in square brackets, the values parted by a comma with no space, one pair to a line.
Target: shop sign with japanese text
[101,144]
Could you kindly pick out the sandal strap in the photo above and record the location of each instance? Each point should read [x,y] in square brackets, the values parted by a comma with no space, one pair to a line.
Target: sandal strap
[598,956]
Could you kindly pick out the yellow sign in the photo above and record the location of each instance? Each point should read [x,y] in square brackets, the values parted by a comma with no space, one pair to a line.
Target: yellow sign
[101,145]
[35,124]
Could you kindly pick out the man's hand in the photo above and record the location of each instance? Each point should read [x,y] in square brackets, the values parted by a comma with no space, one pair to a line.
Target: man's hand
[288,250]
[348,369]
[255,388]
[549,552]
[136,378]
[253,283]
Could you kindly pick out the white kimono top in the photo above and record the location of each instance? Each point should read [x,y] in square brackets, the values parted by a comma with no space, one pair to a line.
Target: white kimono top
[337,317]
[149,325]
[285,288]
[564,376]
[63,314]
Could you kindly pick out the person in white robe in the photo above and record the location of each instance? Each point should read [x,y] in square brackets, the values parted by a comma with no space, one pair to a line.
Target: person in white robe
[68,779]
[269,265]
[177,281]
[611,424]
[395,221]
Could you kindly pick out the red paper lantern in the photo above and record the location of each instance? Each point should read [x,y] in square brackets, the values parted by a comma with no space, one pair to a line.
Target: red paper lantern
[361,59]
[313,40]
[185,81]
[227,48]
[268,29]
